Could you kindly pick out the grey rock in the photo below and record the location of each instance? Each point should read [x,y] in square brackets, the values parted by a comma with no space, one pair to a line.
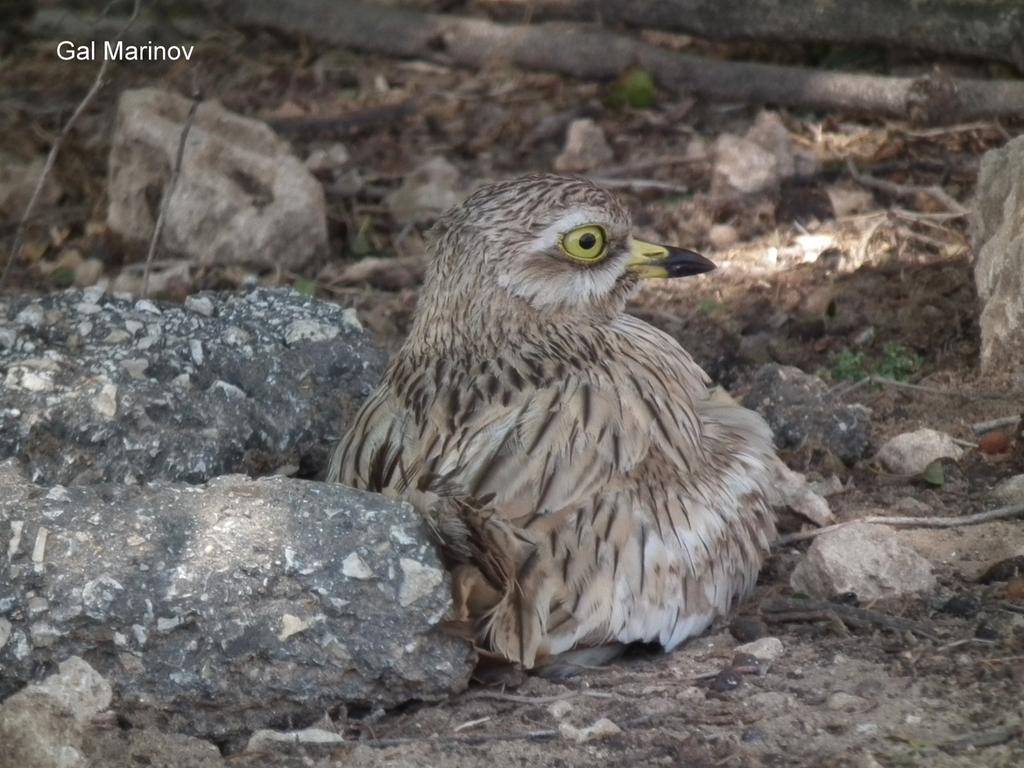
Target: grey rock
[120,748]
[765,648]
[42,725]
[800,412]
[585,149]
[227,383]
[219,609]
[911,452]
[265,739]
[791,489]
[759,160]
[37,732]
[1010,490]
[997,232]
[77,687]
[241,196]
[864,559]
[840,701]
[431,189]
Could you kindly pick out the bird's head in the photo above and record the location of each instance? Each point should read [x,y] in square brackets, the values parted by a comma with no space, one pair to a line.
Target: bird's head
[547,243]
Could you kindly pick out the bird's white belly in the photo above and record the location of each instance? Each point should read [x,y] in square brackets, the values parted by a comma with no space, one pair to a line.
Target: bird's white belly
[622,612]
[658,614]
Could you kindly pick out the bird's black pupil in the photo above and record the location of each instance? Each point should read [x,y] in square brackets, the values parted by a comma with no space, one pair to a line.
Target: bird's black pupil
[588,241]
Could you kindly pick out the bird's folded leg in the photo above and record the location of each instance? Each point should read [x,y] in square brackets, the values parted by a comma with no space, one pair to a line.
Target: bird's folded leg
[500,580]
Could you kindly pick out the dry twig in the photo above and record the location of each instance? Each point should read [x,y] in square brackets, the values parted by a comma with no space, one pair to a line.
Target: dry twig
[1002,513]
[842,390]
[538,735]
[51,158]
[984,427]
[168,191]
[787,609]
[537,700]
[950,203]
[990,738]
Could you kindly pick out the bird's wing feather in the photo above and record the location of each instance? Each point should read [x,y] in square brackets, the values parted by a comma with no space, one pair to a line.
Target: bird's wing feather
[535,445]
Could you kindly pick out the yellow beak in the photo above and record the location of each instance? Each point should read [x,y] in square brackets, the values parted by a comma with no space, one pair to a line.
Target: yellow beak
[650,260]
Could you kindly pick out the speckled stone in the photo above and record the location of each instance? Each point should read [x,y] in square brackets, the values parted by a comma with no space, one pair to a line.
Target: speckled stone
[797,407]
[226,383]
[217,609]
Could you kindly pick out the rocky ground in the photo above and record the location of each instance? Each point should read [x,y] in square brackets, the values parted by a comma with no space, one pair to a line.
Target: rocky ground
[846,252]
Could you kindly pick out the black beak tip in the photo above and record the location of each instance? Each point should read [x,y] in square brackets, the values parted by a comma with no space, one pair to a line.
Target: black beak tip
[686,263]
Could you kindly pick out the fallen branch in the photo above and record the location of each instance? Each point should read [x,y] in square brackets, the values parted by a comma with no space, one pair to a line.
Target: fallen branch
[952,205]
[1002,513]
[51,158]
[989,30]
[168,191]
[842,390]
[537,735]
[778,609]
[983,739]
[595,55]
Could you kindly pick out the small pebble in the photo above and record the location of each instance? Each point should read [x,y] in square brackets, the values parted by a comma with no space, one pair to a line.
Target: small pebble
[599,730]
[724,681]
[748,628]
[1004,570]
[846,702]
[765,649]
[136,367]
[745,660]
[754,736]
[845,598]
[200,304]
[117,336]
[1010,490]
[84,308]
[328,158]
[986,631]
[560,709]
[723,236]
[32,316]
[963,606]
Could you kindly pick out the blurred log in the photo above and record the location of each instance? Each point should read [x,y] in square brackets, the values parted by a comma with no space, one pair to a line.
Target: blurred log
[986,29]
[594,54]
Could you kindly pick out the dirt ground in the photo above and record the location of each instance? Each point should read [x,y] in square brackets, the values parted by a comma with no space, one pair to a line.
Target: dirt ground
[840,294]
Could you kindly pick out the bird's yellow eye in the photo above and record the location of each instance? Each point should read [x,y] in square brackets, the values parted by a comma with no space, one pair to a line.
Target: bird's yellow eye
[585,243]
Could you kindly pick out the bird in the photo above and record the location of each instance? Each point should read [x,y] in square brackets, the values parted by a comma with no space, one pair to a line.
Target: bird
[587,487]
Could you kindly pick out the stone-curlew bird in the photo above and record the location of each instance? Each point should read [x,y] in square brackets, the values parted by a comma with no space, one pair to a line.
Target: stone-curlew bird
[585,486]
